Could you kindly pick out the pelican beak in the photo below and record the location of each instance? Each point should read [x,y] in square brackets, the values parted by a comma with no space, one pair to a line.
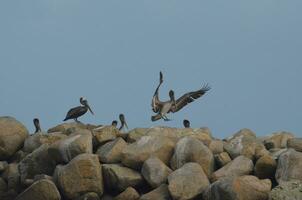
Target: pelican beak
[126,125]
[90,109]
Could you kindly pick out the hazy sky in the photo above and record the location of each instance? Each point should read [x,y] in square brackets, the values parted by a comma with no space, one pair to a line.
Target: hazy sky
[250,52]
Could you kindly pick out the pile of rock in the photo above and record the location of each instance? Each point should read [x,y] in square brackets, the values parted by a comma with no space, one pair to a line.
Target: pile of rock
[80,162]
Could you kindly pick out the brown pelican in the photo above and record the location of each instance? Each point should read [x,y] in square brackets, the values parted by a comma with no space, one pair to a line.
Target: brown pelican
[37,125]
[114,123]
[78,111]
[186,123]
[123,122]
[175,106]
[155,100]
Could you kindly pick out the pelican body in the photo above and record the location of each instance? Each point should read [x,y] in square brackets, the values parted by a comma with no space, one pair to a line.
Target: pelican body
[123,122]
[76,112]
[37,125]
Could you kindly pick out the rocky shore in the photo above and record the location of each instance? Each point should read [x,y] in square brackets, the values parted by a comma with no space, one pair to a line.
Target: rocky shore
[75,161]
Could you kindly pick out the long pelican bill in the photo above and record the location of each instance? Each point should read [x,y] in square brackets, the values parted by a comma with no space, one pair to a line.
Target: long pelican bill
[90,109]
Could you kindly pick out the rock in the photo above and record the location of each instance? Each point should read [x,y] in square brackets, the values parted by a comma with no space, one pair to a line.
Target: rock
[38,162]
[260,151]
[36,140]
[155,172]
[295,143]
[43,176]
[275,153]
[111,152]
[3,165]
[107,197]
[129,194]
[119,178]
[187,182]
[216,146]
[192,150]
[68,128]
[135,134]
[289,166]
[3,185]
[81,175]
[241,143]
[278,140]
[66,149]
[238,188]
[291,190]
[160,193]
[237,167]
[89,196]
[18,156]
[135,154]
[40,190]
[12,136]
[12,177]
[265,167]
[104,134]
[222,159]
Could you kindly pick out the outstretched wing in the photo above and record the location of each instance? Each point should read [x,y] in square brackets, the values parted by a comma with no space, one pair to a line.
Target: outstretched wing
[189,97]
[155,99]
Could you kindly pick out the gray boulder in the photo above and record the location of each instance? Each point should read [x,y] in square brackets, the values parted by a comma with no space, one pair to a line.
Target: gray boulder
[104,134]
[291,190]
[295,143]
[111,152]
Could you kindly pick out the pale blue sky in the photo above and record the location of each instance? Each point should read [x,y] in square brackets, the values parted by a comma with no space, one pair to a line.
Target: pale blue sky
[250,52]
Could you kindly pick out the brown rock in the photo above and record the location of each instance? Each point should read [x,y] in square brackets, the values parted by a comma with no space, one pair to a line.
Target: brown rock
[160,193]
[295,143]
[105,134]
[111,152]
[216,146]
[278,140]
[129,194]
[265,167]
[222,159]
[89,196]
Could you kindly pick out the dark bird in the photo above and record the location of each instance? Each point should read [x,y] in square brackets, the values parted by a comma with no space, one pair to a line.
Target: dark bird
[123,122]
[174,106]
[37,125]
[114,123]
[78,111]
[155,100]
[186,123]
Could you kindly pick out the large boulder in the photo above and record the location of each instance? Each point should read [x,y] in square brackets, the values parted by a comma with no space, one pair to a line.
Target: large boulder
[295,143]
[222,159]
[216,146]
[155,172]
[12,136]
[160,193]
[265,167]
[3,165]
[12,176]
[237,167]
[68,128]
[135,154]
[119,178]
[38,162]
[238,188]
[192,150]
[104,134]
[81,175]
[129,194]
[66,149]
[36,140]
[291,190]
[40,190]
[278,140]
[3,185]
[187,182]
[289,166]
[111,152]
[88,196]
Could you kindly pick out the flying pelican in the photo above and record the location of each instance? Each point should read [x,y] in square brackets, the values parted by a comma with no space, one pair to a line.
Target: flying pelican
[123,122]
[186,123]
[174,106]
[37,125]
[114,123]
[155,100]
[78,111]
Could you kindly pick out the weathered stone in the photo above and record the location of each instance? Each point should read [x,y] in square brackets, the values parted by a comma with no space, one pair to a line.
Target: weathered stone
[260,151]
[38,162]
[40,190]
[36,140]
[43,176]
[3,165]
[238,188]
[129,194]
[69,128]
[111,152]
[119,178]
[12,136]
[89,196]
[278,140]
[66,149]
[107,197]
[192,150]
[105,134]
[187,182]
[216,146]
[3,185]
[12,177]
[18,156]
[237,167]
[155,172]
[222,159]
[295,143]
[291,190]
[265,167]
[81,175]
[135,134]
[275,153]
[135,154]
[289,166]
[160,193]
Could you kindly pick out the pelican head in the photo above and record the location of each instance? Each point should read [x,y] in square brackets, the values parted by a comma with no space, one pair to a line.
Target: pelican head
[84,102]
[114,123]
[123,120]
[186,123]
[172,97]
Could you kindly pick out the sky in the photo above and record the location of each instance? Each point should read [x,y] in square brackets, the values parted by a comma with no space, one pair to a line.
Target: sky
[52,52]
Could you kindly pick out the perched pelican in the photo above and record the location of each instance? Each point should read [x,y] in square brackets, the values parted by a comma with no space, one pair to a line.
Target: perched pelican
[78,111]
[175,106]
[186,123]
[123,122]
[37,125]
[114,123]
[155,100]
